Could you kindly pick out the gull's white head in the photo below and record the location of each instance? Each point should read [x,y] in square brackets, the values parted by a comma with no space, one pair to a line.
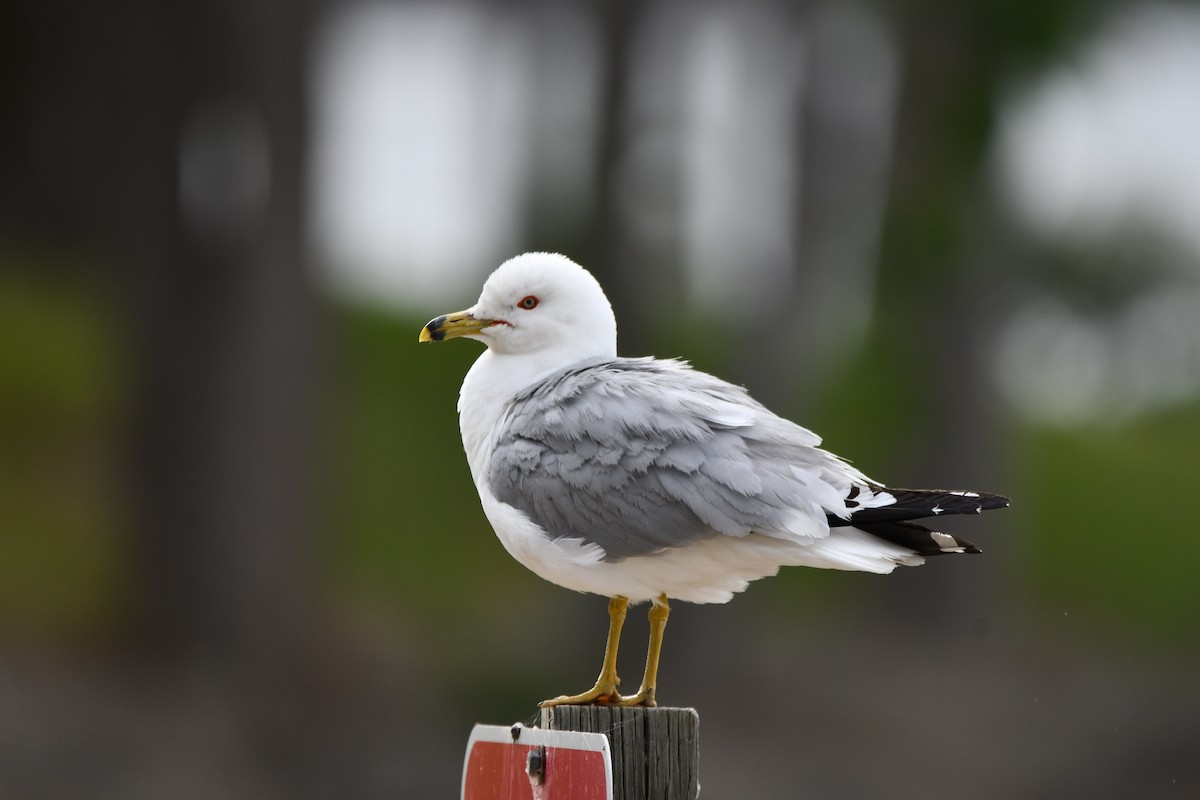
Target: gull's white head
[536,303]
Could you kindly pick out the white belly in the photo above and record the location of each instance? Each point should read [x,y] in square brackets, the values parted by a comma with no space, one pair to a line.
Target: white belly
[708,571]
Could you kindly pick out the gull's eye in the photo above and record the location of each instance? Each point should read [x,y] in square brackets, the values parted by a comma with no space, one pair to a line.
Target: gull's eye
[528,302]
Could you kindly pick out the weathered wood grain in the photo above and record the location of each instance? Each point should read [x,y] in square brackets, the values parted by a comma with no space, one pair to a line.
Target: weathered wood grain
[655,751]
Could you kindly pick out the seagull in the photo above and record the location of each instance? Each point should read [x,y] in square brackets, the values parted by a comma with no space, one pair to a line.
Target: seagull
[643,479]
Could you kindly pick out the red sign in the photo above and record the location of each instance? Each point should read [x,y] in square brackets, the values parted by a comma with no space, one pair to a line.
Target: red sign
[519,763]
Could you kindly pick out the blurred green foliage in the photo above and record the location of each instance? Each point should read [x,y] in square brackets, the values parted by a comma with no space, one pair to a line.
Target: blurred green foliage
[60,411]
[1109,526]
[406,523]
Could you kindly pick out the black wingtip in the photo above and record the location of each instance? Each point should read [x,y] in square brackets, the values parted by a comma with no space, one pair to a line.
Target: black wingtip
[919,539]
[910,504]
[990,501]
[983,501]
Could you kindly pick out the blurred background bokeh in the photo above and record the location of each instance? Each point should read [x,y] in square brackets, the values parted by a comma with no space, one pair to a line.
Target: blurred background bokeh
[240,551]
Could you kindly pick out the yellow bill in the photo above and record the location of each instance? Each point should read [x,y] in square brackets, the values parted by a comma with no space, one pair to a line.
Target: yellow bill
[452,326]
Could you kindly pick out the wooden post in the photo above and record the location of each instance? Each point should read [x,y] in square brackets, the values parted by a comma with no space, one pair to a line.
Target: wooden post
[655,751]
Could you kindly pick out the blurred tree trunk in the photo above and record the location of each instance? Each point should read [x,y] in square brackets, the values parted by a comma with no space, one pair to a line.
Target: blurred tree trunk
[221,323]
[639,273]
[942,280]
[54,187]
[931,310]
[842,127]
[558,212]
[615,22]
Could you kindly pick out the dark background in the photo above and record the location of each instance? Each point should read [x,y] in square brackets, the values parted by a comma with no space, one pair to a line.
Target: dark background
[240,552]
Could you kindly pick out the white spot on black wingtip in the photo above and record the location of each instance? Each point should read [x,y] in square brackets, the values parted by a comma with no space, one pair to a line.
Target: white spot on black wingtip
[978,509]
[964,494]
[937,509]
[945,542]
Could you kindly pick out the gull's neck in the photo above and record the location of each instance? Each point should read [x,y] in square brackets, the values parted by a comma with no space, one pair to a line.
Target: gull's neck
[491,383]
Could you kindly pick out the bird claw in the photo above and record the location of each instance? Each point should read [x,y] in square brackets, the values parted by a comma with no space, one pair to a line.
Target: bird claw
[644,698]
[598,695]
[603,696]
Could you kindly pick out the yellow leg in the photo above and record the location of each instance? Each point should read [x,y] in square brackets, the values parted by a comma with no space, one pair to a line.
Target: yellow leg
[605,690]
[659,611]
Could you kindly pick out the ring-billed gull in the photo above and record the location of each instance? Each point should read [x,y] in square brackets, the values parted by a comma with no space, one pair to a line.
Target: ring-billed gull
[644,479]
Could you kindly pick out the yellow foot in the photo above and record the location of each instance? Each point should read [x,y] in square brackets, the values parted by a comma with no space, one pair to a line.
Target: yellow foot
[605,691]
[659,612]
[602,694]
[644,697]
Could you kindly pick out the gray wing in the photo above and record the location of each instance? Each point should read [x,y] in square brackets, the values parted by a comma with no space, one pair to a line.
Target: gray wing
[639,455]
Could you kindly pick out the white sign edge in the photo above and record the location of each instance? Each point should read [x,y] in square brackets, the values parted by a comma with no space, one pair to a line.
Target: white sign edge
[571,740]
